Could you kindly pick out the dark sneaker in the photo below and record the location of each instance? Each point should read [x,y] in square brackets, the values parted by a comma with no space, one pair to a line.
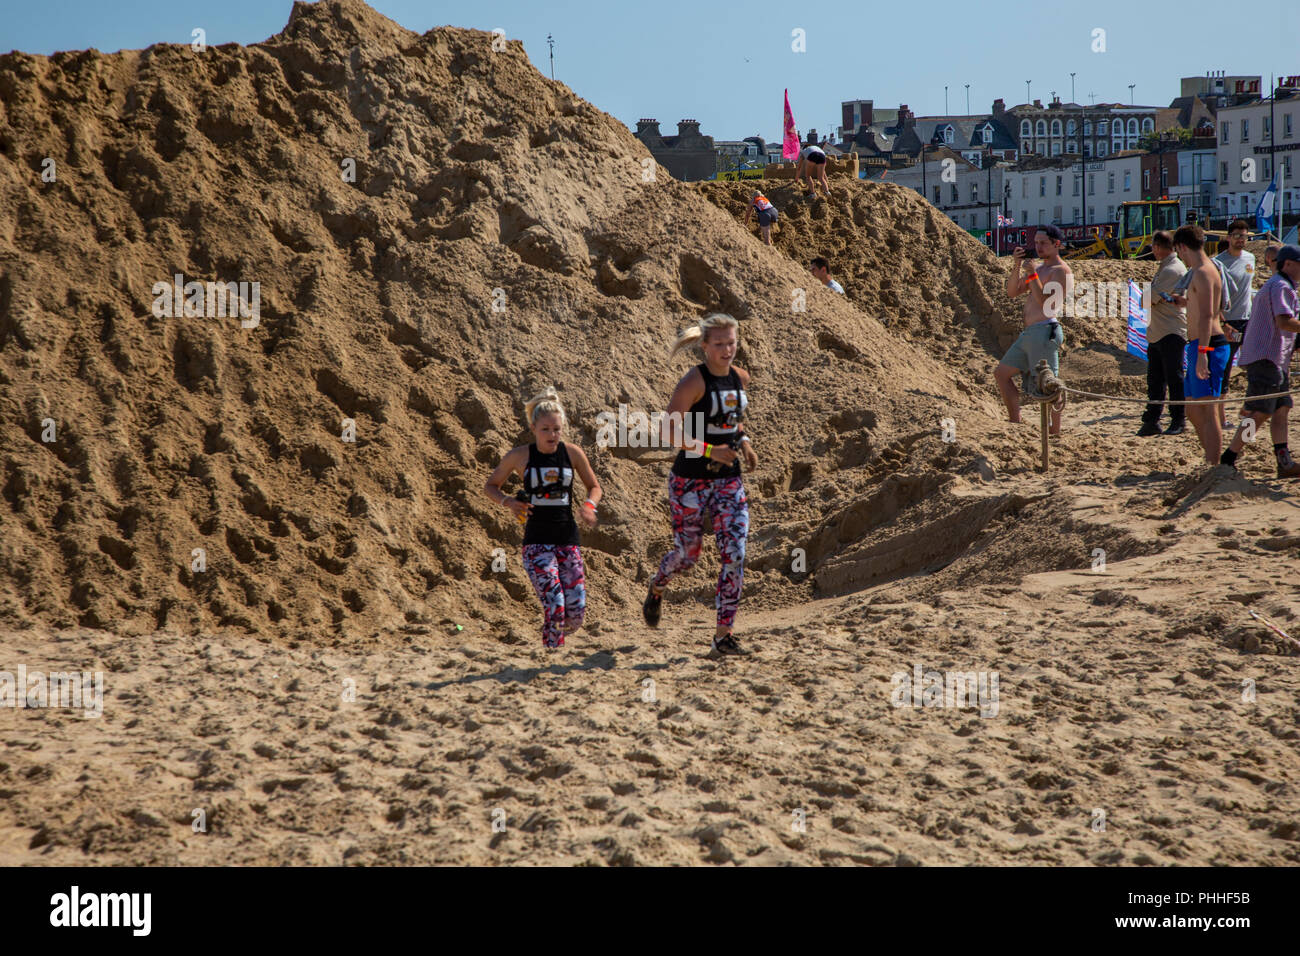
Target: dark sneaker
[1176,429]
[650,609]
[1148,429]
[727,646]
[1286,468]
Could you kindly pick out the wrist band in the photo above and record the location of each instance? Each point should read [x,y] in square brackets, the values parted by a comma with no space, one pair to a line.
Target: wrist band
[1031,277]
[708,450]
[588,504]
[1203,349]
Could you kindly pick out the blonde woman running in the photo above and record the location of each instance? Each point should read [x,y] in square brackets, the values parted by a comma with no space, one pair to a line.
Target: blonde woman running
[706,474]
[551,554]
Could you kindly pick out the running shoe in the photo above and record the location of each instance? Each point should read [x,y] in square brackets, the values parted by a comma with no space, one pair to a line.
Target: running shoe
[727,646]
[650,609]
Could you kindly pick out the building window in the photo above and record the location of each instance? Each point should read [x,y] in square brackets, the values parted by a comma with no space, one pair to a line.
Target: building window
[1056,214]
[1071,128]
[1076,213]
[1087,127]
[1223,177]
[1024,187]
[1268,169]
[1092,213]
[1225,205]
[1076,186]
[1245,203]
[1164,178]
[1025,128]
[1024,215]
[1042,215]
[1286,126]
[1092,187]
[1087,148]
[1268,129]
[1132,127]
[1056,127]
[1041,128]
[1128,179]
[1110,182]
[1286,171]
[947,134]
[1101,149]
[1058,185]
[1071,146]
[1101,127]
[955,196]
[1056,148]
[1146,179]
[1042,185]
[974,192]
[1223,133]
[988,134]
[937,196]
[1148,125]
[1245,131]
[1110,212]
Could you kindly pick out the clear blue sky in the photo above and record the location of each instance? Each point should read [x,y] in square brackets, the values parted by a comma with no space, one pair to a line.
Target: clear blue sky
[726,64]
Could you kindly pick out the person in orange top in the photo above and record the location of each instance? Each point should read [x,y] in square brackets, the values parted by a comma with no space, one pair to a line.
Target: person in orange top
[766,215]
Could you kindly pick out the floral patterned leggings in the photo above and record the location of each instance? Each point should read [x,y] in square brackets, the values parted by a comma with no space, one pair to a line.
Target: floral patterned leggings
[689,499]
[558,577]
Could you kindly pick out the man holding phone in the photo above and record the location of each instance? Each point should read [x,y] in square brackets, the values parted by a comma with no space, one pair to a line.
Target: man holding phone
[1049,286]
[1166,339]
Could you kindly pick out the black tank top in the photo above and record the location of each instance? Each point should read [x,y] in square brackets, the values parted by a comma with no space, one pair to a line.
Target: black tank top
[548,487]
[720,408]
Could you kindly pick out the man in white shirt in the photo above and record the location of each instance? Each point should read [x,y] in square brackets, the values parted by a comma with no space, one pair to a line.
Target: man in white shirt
[1238,273]
[821,268]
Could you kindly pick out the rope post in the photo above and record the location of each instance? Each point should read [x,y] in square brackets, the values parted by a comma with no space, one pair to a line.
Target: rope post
[1042,418]
[1047,391]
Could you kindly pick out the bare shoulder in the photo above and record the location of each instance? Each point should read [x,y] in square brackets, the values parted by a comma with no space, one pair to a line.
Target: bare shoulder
[742,374]
[575,453]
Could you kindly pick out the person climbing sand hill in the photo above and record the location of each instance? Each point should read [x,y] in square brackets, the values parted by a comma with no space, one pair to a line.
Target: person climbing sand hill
[766,215]
[551,553]
[705,476]
[812,163]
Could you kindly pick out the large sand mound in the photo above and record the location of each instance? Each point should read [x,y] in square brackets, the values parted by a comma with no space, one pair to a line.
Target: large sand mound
[473,173]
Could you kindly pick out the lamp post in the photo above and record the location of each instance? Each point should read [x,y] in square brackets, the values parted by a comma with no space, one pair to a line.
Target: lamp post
[1130,93]
[968,99]
[1071,87]
[551,43]
[1028,101]
[945,100]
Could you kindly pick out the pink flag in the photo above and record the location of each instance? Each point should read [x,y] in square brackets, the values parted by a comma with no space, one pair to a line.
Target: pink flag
[790,146]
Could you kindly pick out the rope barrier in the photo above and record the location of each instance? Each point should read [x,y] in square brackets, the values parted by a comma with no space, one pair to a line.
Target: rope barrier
[1186,401]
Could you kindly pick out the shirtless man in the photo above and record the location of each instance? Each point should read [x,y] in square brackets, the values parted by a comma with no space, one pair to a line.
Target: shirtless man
[1207,346]
[1049,287]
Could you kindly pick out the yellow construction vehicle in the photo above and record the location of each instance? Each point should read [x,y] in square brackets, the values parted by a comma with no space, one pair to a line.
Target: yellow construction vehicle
[1139,220]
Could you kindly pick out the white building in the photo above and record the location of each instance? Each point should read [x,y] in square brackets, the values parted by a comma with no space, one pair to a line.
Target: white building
[1054,193]
[958,188]
[1245,167]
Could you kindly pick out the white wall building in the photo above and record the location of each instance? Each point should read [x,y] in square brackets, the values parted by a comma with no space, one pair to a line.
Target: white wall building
[1055,195]
[1245,167]
[964,196]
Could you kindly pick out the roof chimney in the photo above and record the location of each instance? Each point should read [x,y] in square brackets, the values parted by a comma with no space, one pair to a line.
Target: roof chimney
[647,125]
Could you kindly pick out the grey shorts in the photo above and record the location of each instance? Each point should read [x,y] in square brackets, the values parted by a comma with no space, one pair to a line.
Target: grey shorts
[1265,378]
[766,217]
[1040,341]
